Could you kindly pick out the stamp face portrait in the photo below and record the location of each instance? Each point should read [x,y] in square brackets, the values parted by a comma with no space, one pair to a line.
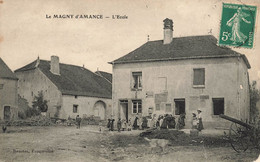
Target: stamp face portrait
[237,25]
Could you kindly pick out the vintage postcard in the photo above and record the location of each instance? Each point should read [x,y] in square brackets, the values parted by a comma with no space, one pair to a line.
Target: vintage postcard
[139,80]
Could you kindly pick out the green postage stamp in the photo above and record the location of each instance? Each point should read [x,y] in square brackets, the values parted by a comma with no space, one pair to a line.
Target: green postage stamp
[237,25]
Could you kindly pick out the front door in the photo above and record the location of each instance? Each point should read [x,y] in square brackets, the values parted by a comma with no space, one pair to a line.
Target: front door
[124,109]
[7,113]
[179,106]
[99,109]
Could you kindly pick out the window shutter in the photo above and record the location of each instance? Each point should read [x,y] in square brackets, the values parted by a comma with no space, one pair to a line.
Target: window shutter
[199,77]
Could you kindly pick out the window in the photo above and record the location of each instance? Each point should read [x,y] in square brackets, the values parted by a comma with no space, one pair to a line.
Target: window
[75,108]
[179,106]
[137,80]
[218,106]
[137,106]
[199,77]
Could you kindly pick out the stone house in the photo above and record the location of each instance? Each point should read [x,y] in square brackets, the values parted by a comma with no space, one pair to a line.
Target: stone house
[70,90]
[182,75]
[8,93]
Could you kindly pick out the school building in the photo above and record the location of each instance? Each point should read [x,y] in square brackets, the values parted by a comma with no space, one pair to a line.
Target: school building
[180,75]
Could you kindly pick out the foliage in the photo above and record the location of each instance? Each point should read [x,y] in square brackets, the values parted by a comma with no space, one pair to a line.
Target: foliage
[254,98]
[39,104]
[21,115]
[32,112]
[25,111]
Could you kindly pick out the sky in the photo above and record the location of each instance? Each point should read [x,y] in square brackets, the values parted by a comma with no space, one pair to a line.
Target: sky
[26,33]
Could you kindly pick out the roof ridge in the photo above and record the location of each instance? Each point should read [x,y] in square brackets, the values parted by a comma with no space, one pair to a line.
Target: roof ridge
[184,37]
[188,47]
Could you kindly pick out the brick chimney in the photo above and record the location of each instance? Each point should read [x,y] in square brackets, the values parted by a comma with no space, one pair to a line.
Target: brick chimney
[55,65]
[167,31]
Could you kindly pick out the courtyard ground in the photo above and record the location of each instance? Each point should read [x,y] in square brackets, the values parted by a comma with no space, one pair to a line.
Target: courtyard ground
[62,143]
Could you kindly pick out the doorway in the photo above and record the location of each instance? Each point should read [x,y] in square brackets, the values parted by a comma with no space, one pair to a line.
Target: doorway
[179,106]
[7,112]
[99,109]
[124,109]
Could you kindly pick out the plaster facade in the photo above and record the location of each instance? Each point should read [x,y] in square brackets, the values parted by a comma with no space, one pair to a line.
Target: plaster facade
[170,81]
[31,82]
[8,99]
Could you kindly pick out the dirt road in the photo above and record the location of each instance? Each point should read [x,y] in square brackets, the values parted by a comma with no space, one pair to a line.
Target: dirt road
[62,143]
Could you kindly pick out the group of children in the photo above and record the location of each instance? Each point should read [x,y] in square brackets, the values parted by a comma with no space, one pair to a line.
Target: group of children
[121,125]
[166,121]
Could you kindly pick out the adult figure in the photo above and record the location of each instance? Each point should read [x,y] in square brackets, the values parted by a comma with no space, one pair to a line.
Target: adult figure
[78,121]
[154,121]
[181,121]
[164,122]
[140,122]
[194,121]
[144,123]
[112,125]
[200,124]
[135,126]
[109,124]
[171,122]
[161,120]
[158,122]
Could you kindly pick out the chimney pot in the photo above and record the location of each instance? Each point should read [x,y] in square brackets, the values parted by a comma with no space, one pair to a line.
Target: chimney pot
[167,31]
[55,65]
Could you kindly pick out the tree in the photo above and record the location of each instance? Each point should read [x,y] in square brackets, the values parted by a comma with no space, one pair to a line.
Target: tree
[39,103]
[254,98]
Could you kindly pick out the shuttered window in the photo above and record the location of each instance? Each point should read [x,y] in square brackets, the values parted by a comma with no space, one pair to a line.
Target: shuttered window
[199,77]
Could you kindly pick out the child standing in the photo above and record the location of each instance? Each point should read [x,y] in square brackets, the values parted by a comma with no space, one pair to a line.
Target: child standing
[129,127]
[119,124]
[124,124]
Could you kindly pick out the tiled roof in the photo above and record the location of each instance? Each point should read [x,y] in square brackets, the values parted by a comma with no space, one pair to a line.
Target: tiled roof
[106,75]
[74,80]
[6,72]
[192,47]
